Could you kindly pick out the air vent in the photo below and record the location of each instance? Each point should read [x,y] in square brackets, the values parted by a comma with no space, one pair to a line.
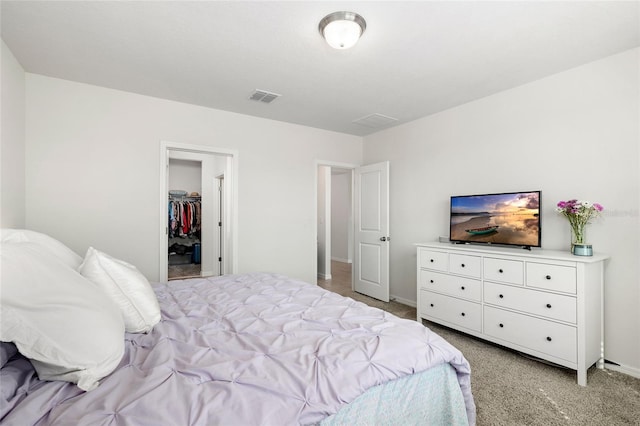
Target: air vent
[375,120]
[264,96]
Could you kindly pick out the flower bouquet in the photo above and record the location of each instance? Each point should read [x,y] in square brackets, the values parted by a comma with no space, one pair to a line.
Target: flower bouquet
[579,213]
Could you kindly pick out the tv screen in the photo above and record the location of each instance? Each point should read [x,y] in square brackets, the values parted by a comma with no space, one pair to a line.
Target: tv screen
[511,218]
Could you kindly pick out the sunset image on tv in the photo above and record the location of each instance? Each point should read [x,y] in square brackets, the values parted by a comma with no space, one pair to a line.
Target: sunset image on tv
[512,218]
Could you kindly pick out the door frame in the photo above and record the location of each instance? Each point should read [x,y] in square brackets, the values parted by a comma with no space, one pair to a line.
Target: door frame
[223,213]
[337,165]
[231,237]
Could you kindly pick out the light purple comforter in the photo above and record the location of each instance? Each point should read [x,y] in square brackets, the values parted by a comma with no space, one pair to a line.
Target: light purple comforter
[246,350]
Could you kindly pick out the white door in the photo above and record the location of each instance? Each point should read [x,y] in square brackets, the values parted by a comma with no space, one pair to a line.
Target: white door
[371,260]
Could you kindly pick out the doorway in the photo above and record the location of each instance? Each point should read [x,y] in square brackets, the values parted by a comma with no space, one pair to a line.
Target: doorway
[185,216]
[335,221]
[198,200]
[368,222]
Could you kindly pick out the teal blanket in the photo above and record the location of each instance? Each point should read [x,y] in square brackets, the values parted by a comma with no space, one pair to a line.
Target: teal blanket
[432,397]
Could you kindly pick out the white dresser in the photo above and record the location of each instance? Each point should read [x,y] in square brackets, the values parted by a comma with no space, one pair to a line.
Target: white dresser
[544,303]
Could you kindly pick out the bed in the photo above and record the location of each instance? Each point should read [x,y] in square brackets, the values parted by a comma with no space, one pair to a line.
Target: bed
[255,349]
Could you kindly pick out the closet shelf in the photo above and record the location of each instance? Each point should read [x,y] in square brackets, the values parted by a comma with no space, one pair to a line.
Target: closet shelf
[184,198]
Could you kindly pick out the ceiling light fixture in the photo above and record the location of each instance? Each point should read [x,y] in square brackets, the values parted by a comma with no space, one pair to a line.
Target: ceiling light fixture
[342,30]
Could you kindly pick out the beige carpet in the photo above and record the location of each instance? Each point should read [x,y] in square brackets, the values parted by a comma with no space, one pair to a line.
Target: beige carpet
[512,389]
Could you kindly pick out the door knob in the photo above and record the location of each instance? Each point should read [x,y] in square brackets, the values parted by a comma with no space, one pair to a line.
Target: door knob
[386,239]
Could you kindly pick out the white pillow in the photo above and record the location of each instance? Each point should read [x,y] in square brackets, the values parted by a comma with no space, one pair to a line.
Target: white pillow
[126,286]
[66,325]
[58,249]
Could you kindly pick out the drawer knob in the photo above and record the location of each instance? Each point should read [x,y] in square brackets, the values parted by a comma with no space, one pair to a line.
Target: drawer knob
[548,339]
[501,296]
[462,288]
[500,270]
[549,305]
[431,260]
[431,281]
[548,277]
[463,314]
[462,265]
[501,325]
[431,305]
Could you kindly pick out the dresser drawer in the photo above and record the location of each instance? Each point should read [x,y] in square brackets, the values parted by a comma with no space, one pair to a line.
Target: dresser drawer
[553,306]
[449,309]
[436,260]
[466,288]
[464,264]
[557,340]
[505,271]
[551,277]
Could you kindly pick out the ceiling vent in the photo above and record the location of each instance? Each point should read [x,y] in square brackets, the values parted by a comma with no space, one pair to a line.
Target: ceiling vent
[375,120]
[264,96]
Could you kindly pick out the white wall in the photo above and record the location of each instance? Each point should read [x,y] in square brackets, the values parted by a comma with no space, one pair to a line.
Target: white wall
[574,134]
[12,141]
[93,173]
[185,175]
[340,216]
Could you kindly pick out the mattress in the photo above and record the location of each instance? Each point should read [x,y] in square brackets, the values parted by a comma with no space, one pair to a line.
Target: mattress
[259,349]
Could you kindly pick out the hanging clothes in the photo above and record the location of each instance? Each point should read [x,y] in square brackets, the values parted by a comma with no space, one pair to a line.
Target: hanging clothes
[184,218]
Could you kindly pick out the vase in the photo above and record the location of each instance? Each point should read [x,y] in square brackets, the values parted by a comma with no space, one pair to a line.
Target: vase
[578,243]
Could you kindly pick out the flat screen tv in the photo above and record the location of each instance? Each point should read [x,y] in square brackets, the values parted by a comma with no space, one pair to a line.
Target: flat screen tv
[509,218]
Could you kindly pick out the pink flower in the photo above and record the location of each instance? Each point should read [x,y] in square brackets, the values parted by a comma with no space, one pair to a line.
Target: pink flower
[579,215]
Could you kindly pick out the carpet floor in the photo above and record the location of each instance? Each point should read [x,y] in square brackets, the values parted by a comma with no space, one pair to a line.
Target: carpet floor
[512,389]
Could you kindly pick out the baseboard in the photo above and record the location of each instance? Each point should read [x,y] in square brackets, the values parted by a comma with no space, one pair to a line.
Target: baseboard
[407,302]
[625,369]
[324,276]
[339,259]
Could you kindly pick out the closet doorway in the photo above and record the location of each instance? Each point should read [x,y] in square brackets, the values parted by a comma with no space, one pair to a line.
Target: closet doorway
[186,215]
[198,211]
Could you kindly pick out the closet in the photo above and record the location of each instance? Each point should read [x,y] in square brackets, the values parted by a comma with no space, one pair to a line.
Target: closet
[184,219]
[197,204]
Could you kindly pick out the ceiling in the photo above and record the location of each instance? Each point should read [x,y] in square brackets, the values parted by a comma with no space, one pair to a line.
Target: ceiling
[416,58]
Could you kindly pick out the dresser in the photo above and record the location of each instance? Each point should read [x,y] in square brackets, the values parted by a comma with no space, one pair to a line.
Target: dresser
[544,303]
